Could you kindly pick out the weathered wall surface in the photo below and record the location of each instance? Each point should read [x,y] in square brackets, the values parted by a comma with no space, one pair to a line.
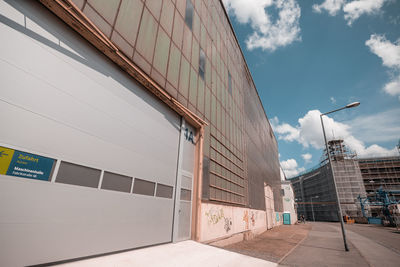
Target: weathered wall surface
[223,221]
[288,202]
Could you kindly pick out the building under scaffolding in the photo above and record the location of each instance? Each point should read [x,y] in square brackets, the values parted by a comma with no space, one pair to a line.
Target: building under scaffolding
[315,192]
[381,173]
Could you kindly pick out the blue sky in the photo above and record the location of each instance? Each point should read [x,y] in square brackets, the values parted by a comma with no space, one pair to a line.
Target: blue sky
[308,57]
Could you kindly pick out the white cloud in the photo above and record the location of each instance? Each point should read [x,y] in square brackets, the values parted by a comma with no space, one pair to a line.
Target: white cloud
[333,100]
[286,131]
[378,127]
[352,10]
[390,54]
[387,51]
[393,87]
[290,168]
[307,157]
[268,34]
[310,134]
[332,6]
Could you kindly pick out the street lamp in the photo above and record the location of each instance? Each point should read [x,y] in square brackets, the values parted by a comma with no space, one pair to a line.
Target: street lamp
[312,207]
[351,105]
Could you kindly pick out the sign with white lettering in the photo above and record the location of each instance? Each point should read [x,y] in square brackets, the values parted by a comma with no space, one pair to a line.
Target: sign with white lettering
[26,165]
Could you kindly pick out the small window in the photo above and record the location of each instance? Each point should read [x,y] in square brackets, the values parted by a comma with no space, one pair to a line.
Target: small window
[202,63]
[189,14]
[186,194]
[283,192]
[143,187]
[164,191]
[116,182]
[70,173]
[229,83]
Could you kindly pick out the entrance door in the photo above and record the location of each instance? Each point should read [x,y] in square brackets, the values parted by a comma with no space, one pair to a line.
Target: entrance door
[184,184]
[286,218]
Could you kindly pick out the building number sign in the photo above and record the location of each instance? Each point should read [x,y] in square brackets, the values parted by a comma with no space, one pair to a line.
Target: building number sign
[189,135]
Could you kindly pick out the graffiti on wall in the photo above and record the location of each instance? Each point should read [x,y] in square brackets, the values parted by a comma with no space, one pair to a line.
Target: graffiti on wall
[219,221]
[246,218]
[252,218]
[228,224]
[215,215]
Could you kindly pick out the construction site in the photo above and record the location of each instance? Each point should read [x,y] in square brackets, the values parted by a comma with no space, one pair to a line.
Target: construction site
[368,188]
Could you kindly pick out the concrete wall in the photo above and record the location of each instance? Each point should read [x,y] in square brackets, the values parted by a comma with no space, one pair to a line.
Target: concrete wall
[288,202]
[223,221]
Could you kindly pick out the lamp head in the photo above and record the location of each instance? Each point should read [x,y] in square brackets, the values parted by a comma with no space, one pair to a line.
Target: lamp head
[353,105]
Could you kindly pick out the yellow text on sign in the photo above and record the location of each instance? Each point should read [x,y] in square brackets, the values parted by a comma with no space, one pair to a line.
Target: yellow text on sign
[6,155]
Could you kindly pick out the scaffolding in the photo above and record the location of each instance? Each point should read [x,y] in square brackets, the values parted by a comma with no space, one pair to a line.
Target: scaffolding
[317,185]
[381,173]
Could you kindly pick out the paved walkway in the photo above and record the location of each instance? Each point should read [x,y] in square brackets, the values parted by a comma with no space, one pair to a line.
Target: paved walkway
[310,244]
[376,254]
[369,246]
[324,247]
[274,244]
[182,254]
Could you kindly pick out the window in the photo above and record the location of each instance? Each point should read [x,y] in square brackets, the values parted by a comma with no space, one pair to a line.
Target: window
[116,182]
[165,191]
[186,194]
[189,14]
[202,64]
[229,83]
[70,173]
[143,187]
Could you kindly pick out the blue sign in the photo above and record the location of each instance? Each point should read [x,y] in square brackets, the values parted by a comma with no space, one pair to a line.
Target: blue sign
[31,166]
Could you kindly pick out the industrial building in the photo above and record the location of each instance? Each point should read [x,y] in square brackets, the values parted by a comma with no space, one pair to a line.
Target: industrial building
[314,190]
[381,173]
[127,123]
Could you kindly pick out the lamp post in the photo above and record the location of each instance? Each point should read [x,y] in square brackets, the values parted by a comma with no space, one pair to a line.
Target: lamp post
[312,207]
[351,105]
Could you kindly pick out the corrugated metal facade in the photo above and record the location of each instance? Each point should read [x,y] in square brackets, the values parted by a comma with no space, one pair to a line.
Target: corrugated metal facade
[189,49]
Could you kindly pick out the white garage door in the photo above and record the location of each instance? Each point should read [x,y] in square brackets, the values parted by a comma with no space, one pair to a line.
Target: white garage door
[88,159]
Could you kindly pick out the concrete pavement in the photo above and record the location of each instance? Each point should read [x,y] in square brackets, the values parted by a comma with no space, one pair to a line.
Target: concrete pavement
[182,254]
[274,244]
[310,244]
[373,252]
[324,247]
[369,246]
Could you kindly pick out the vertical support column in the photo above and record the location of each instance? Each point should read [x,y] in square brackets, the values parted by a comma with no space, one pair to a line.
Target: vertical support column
[197,182]
[177,197]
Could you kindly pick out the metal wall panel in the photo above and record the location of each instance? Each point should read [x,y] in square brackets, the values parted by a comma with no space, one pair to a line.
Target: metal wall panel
[63,99]
[166,41]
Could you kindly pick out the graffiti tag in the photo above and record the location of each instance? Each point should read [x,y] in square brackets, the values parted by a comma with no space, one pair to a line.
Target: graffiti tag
[215,215]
